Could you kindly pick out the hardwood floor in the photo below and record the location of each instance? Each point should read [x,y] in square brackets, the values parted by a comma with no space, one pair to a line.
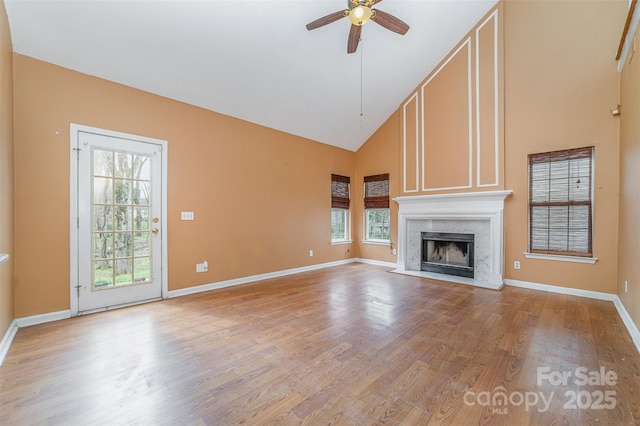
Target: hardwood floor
[347,345]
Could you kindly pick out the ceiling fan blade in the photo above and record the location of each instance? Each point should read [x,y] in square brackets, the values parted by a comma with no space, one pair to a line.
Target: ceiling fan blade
[332,17]
[354,38]
[390,22]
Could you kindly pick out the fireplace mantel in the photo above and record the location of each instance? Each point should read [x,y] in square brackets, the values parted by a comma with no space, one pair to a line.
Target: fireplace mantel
[475,212]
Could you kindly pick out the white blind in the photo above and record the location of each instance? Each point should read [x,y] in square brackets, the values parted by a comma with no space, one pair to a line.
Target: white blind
[560,205]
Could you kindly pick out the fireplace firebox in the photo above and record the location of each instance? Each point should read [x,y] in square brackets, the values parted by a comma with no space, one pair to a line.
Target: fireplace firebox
[447,253]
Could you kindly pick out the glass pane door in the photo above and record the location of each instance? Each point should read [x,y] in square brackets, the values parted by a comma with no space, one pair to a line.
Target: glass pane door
[119,221]
[121,215]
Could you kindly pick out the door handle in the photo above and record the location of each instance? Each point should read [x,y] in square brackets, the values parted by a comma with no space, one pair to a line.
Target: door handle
[154,231]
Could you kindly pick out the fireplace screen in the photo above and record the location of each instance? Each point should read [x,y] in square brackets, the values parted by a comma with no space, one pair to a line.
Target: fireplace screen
[448,253]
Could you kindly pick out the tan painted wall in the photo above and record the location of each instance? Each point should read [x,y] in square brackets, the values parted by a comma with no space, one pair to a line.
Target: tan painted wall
[6,172]
[261,197]
[379,155]
[629,241]
[561,81]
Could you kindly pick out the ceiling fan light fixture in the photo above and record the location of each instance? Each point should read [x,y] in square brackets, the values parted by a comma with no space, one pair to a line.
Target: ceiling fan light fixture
[360,15]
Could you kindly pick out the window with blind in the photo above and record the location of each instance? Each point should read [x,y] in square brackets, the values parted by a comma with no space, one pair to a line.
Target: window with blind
[376,204]
[339,208]
[560,202]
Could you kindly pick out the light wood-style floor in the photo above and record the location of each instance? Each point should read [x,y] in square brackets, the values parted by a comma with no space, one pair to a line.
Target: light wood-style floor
[352,344]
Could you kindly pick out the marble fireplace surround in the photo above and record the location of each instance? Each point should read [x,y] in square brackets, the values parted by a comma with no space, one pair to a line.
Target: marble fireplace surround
[478,213]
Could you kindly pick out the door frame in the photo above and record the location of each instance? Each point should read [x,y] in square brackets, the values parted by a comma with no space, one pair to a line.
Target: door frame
[74,143]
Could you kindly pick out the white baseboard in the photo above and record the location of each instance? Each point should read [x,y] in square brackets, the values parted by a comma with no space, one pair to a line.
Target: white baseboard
[377,263]
[628,321]
[43,318]
[624,315]
[253,278]
[26,322]
[7,340]
[561,290]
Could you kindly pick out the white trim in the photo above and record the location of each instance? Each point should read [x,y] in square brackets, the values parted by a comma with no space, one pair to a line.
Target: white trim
[253,278]
[560,258]
[404,143]
[164,292]
[7,340]
[74,130]
[73,218]
[628,321]
[466,43]
[496,102]
[43,318]
[4,258]
[561,290]
[123,305]
[609,297]
[377,242]
[376,262]
[340,242]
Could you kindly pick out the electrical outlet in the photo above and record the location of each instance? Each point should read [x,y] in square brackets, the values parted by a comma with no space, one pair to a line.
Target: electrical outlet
[516,265]
[394,252]
[310,253]
[626,286]
[202,267]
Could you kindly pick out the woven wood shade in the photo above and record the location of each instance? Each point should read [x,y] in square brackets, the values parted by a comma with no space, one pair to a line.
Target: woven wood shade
[560,203]
[376,191]
[340,192]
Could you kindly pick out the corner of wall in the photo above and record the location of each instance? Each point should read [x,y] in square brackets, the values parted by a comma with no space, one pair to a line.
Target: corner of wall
[628,270]
[6,172]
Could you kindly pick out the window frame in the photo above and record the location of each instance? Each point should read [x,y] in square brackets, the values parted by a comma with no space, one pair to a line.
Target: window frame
[340,201]
[376,197]
[367,238]
[548,158]
[346,238]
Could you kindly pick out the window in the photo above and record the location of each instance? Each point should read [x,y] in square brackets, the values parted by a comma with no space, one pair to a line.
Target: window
[339,224]
[560,202]
[376,204]
[339,208]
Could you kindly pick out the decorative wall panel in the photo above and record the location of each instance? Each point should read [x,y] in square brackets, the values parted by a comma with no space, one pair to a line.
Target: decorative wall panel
[447,124]
[487,102]
[410,144]
[452,123]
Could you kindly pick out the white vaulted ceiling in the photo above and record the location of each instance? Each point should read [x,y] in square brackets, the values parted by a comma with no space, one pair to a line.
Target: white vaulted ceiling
[253,60]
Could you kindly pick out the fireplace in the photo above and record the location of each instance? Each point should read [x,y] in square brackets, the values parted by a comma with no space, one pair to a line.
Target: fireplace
[474,213]
[447,253]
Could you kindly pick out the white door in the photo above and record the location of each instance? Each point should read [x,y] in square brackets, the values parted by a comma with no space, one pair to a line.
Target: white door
[119,208]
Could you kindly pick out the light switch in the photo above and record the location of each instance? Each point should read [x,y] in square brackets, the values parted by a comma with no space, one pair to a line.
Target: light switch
[188,216]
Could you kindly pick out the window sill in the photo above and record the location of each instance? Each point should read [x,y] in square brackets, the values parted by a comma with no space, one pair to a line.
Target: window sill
[557,257]
[377,242]
[338,242]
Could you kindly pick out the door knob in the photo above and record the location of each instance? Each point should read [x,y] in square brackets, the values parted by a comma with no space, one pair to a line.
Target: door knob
[156,220]
[155,231]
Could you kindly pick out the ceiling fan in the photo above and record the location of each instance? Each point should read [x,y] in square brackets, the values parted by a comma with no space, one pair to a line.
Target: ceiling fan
[359,13]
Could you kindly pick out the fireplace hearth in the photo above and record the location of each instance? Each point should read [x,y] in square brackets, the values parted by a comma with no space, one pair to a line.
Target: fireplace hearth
[448,253]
